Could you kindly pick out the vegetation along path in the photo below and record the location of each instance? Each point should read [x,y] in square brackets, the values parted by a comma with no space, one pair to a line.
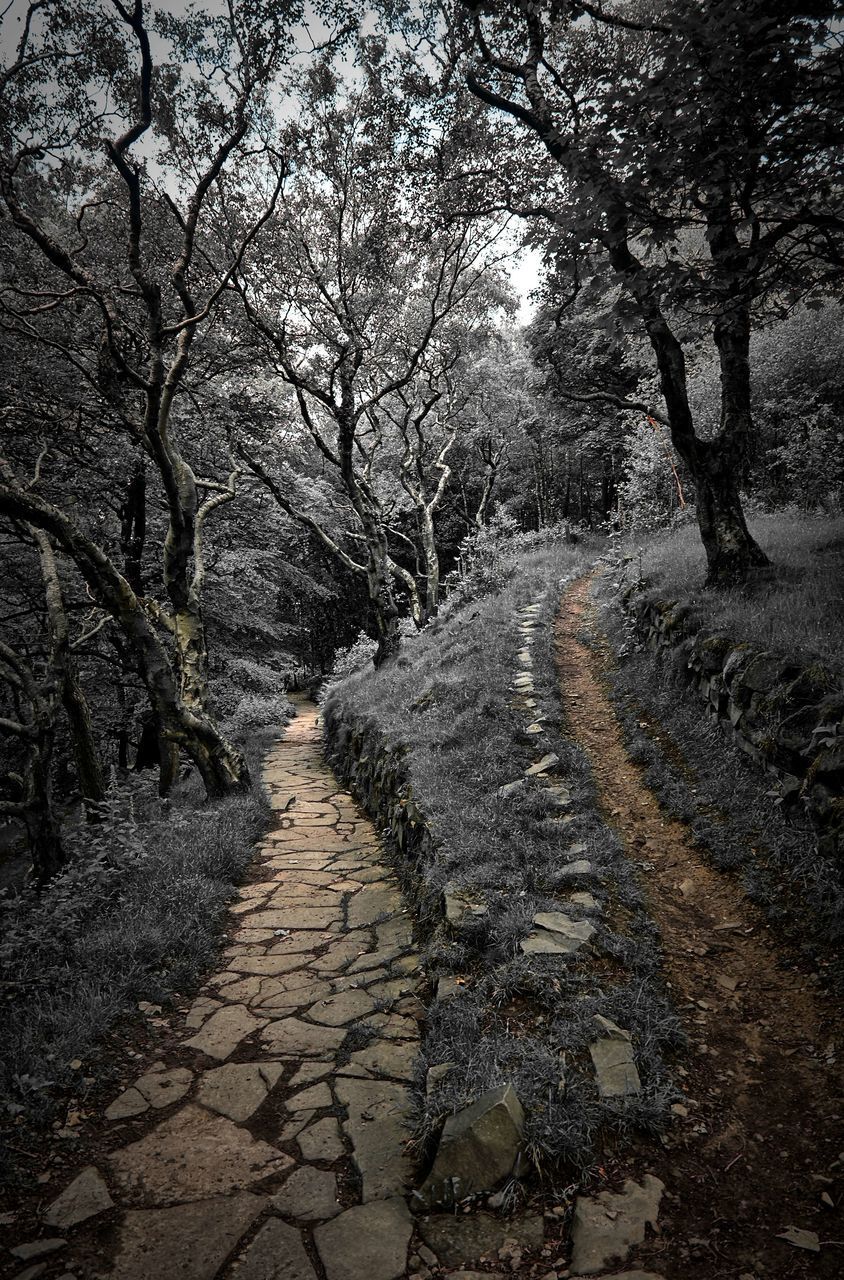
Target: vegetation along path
[759,1130]
[247,1166]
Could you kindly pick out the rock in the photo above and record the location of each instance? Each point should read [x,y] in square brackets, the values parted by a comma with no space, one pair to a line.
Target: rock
[276,1253]
[160,1088]
[309,1194]
[312,1099]
[511,789]
[368,1242]
[322,1140]
[220,1035]
[556,934]
[127,1104]
[341,1009]
[449,986]
[437,1073]
[572,871]
[458,1241]
[191,1241]
[461,906]
[37,1248]
[85,1197]
[384,1058]
[477,1148]
[375,1126]
[191,1156]
[585,900]
[612,1057]
[544,765]
[295,1038]
[238,1089]
[606,1227]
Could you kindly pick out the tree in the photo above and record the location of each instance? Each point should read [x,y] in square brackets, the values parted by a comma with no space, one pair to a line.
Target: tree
[699,147]
[124,279]
[372,276]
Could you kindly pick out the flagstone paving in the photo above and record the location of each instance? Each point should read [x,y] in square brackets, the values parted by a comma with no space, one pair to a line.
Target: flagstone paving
[281,1128]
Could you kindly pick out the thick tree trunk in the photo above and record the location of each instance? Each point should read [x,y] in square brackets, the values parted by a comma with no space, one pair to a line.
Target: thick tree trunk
[716,465]
[731,551]
[428,540]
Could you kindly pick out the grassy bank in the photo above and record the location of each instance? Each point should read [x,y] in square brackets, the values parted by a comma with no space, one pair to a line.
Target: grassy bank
[797,605]
[523,1019]
[136,916]
[795,609]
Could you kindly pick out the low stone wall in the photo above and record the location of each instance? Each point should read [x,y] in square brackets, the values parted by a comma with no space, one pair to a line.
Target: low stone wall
[783,714]
[376,774]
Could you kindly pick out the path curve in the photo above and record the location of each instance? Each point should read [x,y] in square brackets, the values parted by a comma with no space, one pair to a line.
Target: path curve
[761,1123]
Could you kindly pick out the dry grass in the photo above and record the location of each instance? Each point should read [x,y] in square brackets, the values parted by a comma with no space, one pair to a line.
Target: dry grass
[795,607]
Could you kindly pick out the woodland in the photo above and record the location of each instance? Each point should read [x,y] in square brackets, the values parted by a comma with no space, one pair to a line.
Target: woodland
[273,392]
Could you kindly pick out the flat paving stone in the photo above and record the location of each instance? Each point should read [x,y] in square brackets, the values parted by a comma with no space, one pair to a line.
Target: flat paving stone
[191,1241]
[376,1128]
[322,1141]
[293,1037]
[607,1226]
[192,1155]
[238,1089]
[312,1099]
[368,1242]
[224,1031]
[308,1194]
[337,1011]
[85,1197]
[276,1253]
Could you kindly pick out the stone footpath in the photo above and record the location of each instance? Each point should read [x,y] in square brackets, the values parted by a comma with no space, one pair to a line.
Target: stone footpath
[314,1018]
[278,1148]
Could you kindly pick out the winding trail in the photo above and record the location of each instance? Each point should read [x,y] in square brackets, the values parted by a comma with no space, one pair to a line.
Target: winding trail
[760,1126]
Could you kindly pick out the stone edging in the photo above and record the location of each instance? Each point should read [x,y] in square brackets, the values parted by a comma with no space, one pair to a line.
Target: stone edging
[788,717]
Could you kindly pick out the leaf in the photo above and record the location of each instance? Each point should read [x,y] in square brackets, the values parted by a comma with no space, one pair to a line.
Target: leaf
[801,1239]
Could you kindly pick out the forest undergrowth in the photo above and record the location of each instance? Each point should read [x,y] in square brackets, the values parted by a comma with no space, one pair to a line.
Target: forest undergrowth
[794,606]
[528,1019]
[136,917]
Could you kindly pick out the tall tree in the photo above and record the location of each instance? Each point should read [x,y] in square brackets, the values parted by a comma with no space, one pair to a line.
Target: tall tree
[699,147]
[357,275]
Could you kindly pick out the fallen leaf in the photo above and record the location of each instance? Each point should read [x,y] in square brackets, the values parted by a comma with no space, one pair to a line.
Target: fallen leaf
[801,1239]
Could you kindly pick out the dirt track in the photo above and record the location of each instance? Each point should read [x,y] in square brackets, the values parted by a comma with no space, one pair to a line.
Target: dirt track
[755,1152]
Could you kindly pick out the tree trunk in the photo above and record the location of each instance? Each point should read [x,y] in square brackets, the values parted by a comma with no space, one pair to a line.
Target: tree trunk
[88,768]
[730,549]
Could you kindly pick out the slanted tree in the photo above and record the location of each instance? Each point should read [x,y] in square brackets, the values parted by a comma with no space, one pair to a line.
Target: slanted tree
[114,172]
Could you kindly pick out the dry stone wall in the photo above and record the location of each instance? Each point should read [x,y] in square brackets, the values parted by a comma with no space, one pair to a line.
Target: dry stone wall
[785,715]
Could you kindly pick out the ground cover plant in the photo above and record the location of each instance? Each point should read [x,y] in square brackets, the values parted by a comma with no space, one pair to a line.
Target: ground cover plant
[136,916]
[795,606]
[447,703]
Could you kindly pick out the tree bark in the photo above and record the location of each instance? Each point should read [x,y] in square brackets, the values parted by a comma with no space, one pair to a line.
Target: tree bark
[75,704]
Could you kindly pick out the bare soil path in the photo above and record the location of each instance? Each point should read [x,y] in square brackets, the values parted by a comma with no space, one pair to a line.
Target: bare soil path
[755,1147]
[268,1141]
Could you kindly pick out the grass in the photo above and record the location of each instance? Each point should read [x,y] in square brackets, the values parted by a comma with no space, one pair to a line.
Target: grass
[448,702]
[795,606]
[137,916]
